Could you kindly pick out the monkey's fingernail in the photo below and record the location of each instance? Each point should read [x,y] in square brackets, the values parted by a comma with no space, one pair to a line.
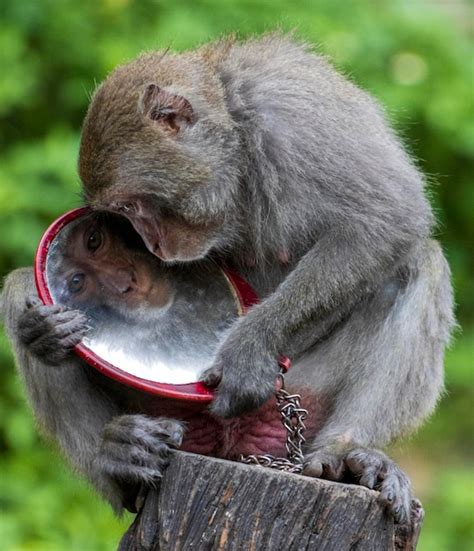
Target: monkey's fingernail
[212,379]
[177,438]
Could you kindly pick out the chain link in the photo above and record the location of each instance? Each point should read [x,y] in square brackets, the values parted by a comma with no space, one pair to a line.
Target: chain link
[292,418]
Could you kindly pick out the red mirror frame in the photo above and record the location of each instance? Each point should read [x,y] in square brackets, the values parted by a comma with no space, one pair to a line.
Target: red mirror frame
[193,392]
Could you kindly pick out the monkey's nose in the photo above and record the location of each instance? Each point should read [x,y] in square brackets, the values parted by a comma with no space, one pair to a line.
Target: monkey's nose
[121,280]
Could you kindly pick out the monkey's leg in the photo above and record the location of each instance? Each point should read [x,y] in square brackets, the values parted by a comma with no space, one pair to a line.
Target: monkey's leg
[67,407]
[383,371]
[74,410]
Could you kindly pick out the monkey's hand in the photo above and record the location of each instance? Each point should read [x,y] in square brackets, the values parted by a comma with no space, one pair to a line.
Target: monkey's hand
[134,452]
[50,332]
[244,371]
[371,468]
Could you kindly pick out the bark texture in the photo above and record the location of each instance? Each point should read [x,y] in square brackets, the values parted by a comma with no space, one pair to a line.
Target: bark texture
[210,504]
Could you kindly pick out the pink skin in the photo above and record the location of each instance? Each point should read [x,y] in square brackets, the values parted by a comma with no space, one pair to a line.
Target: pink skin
[258,432]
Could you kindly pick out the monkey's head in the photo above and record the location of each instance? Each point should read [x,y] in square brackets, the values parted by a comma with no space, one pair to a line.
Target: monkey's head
[159,146]
[102,265]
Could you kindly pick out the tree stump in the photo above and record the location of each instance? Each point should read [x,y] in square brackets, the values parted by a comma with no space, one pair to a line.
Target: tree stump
[211,504]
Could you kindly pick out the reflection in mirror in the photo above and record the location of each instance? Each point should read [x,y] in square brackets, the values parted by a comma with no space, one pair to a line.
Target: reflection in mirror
[159,322]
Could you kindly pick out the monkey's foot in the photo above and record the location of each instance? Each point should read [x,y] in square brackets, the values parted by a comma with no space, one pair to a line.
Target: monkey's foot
[134,451]
[372,469]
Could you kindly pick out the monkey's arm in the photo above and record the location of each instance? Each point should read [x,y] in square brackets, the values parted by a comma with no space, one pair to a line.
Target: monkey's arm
[67,406]
[328,281]
[80,415]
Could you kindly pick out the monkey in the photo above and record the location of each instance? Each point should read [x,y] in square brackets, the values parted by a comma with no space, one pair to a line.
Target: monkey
[261,154]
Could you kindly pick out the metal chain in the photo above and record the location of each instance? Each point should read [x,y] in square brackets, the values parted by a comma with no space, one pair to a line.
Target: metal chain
[292,417]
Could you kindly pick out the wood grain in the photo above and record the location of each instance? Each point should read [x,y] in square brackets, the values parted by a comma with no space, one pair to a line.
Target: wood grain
[210,504]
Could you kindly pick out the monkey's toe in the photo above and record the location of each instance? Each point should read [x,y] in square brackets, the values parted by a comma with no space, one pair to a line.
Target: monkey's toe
[145,431]
[325,463]
[376,471]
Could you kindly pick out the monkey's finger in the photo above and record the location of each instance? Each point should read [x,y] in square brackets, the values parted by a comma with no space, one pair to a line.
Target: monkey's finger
[33,301]
[56,329]
[130,460]
[149,432]
[39,320]
[66,317]
[34,314]
[54,346]
[32,325]
[133,454]
[211,377]
[130,473]
[68,342]
[66,324]
[44,310]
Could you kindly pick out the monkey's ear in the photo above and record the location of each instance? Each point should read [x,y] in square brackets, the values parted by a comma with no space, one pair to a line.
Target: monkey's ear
[169,111]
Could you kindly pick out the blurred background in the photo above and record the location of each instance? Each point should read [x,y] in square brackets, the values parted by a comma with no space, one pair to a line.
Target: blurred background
[414,56]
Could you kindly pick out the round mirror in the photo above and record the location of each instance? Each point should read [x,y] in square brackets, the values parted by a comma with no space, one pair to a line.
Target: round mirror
[153,326]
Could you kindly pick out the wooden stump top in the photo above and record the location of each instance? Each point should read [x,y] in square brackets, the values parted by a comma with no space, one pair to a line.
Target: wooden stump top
[211,504]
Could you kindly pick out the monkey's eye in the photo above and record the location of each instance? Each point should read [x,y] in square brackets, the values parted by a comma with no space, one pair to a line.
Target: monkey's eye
[94,241]
[76,283]
[127,207]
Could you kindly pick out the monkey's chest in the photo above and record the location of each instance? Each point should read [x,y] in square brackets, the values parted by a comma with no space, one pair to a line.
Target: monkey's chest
[259,432]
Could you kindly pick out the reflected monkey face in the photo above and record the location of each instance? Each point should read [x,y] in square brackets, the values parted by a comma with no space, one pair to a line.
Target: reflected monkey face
[105,264]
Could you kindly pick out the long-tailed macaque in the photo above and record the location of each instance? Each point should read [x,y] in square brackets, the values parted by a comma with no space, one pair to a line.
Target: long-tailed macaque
[262,154]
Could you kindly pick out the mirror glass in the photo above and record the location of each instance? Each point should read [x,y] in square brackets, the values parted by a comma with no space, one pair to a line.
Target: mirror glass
[158,322]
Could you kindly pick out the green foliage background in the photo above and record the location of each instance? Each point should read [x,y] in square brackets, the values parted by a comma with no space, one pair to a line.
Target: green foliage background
[415,56]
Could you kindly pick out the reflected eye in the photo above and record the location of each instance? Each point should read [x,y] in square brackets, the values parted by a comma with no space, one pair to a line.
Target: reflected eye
[94,240]
[76,283]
